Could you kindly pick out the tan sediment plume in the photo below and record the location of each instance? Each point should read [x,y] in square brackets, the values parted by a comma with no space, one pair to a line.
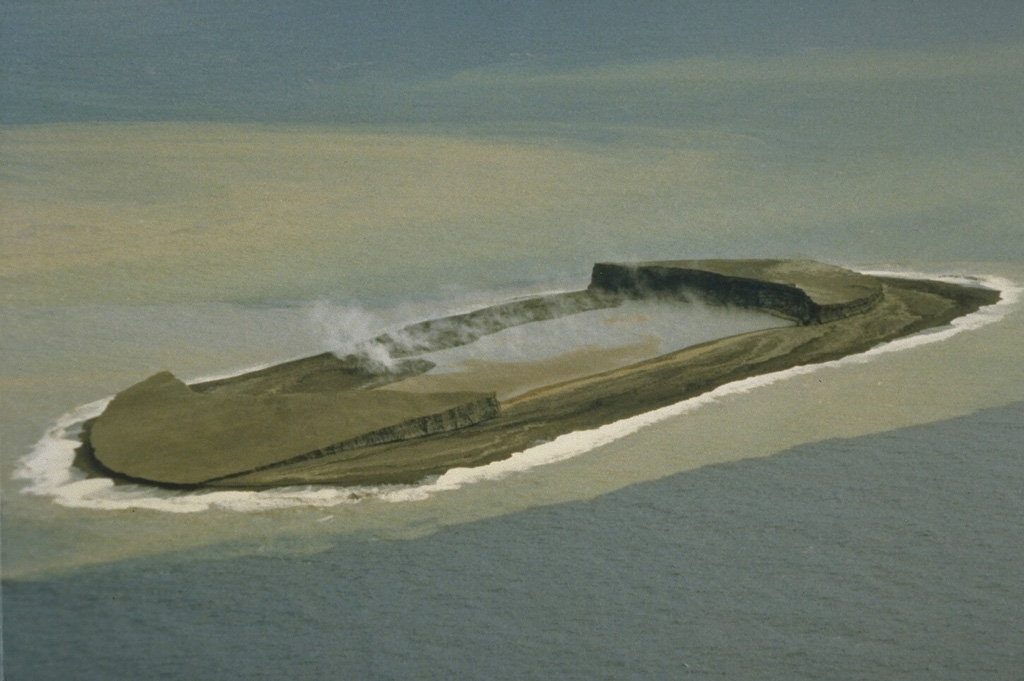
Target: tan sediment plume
[105,194]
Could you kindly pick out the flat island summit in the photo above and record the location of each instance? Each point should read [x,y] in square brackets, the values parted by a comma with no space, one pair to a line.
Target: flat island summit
[380,416]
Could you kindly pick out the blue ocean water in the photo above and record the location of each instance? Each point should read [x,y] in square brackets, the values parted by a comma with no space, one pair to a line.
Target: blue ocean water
[169,167]
[891,556]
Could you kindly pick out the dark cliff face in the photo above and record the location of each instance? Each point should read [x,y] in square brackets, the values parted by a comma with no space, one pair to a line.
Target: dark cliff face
[788,300]
[654,280]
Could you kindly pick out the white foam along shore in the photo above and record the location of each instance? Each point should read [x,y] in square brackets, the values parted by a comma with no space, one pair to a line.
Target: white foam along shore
[49,469]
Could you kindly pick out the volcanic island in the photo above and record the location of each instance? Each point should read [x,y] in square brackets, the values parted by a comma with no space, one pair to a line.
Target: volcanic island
[329,420]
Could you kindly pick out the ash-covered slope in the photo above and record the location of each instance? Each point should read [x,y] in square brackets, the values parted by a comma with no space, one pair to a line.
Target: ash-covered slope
[162,431]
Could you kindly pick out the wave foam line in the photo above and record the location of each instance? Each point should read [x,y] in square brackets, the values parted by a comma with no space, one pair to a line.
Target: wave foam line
[50,471]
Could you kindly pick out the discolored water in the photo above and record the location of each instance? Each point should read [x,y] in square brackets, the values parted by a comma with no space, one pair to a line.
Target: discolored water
[204,191]
[887,556]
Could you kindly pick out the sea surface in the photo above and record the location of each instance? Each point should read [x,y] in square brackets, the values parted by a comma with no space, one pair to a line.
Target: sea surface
[206,191]
[886,556]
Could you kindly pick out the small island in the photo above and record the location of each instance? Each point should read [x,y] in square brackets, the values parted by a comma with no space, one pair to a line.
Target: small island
[378,417]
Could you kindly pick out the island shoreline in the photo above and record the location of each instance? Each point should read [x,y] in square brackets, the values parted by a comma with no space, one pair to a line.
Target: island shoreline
[878,309]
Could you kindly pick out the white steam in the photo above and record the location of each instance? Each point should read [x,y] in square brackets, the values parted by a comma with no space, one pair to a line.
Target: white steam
[351,330]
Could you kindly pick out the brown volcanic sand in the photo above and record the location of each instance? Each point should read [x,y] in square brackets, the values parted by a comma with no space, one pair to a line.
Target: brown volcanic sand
[160,430]
[545,413]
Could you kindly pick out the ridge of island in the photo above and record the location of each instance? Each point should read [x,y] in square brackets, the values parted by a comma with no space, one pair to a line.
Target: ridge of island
[347,421]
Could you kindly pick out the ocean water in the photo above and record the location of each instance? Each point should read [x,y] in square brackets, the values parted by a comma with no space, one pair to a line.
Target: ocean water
[205,191]
[888,556]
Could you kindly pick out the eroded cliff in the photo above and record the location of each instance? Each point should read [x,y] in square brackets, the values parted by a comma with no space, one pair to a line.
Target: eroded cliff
[805,291]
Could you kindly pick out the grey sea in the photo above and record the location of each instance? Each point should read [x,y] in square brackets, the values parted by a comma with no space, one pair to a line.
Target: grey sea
[204,189]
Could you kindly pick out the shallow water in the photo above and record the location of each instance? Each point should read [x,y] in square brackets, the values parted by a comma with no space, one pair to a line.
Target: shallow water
[670,326]
[248,190]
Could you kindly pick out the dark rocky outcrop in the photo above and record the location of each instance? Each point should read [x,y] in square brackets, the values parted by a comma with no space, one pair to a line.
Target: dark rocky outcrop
[807,292]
